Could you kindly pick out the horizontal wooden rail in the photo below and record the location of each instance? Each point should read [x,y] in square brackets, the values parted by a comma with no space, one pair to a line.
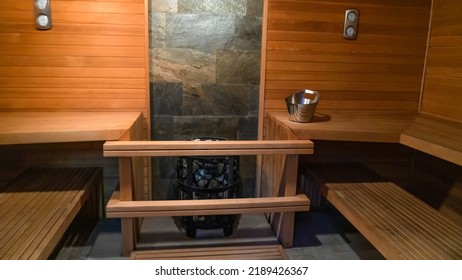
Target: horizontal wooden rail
[130,209]
[206,148]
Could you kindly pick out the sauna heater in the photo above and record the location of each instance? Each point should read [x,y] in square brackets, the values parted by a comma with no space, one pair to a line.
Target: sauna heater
[208,177]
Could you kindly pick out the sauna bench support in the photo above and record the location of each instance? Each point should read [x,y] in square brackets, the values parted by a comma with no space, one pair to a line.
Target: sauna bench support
[39,205]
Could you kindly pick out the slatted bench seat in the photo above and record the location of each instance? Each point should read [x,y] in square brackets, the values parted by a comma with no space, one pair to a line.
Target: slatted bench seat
[259,252]
[38,206]
[398,224]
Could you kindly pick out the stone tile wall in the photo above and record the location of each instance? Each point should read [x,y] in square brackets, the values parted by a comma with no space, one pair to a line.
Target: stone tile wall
[204,72]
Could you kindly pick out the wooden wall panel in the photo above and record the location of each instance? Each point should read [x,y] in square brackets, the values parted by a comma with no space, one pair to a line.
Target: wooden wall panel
[443,77]
[94,58]
[381,70]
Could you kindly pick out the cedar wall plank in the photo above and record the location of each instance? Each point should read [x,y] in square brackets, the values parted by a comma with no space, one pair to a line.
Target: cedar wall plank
[381,70]
[94,58]
[443,75]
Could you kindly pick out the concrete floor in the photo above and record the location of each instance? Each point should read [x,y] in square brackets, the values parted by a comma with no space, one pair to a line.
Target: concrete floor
[319,235]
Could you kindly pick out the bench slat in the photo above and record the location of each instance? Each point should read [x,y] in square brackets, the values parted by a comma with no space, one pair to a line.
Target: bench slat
[128,209]
[259,252]
[398,224]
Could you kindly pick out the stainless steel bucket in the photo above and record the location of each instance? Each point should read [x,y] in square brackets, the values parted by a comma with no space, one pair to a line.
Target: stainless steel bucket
[301,108]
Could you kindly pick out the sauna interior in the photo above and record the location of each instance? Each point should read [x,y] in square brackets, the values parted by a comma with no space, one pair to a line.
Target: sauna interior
[99,99]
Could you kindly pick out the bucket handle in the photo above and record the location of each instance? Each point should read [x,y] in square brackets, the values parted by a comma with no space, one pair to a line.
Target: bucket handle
[305,92]
[316,94]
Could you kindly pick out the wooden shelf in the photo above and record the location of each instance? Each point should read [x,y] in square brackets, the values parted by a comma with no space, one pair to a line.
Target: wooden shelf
[54,127]
[364,126]
[440,138]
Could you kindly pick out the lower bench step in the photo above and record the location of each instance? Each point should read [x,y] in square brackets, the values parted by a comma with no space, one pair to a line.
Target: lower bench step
[38,206]
[261,252]
[398,224]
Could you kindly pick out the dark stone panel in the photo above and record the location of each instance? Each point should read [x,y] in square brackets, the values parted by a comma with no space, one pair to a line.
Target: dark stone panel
[254,94]
[196,31]
[248,186]
[165,167]
[255,8]
[195,93]
[164,189]
[182,65]
[166,98]
[247,34]
[222,7]
[238,67]
[161,127]
[248,128]
[157,30]
[247,166]
[186,128]
[216,100]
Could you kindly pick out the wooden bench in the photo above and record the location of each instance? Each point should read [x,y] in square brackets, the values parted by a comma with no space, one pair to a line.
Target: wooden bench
[260,252]
[123,204]
[38,206]
[413,235]
[398,224]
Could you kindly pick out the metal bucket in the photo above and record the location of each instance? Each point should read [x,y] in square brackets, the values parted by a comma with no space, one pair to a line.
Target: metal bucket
[300,108]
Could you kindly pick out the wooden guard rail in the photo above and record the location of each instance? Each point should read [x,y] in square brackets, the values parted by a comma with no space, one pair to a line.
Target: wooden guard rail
[124,205]
[130,209]
[206,148]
